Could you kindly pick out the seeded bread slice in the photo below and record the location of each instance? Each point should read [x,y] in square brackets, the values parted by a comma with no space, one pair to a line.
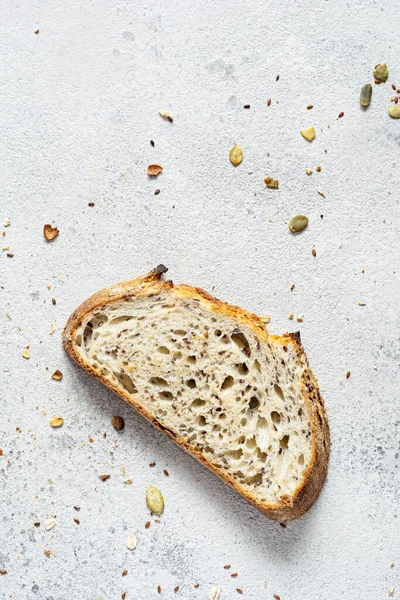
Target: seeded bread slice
[243,402]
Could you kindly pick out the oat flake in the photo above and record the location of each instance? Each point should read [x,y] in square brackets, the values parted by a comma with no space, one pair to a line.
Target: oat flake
[214,592]
[49,524]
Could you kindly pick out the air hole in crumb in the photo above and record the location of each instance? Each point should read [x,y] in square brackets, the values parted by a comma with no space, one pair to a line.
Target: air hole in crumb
[255,479]
[257,366]
[284,442]
[163,350]
[278,391]
[227,383]
[242,369]
[217,332]
[251,442]
[254,402]
[300,412]
[275,417]
[241,439]
[235,454]
[191,359]
[243,422]
[222,416]
[166,395]
[158,382]
[201,420]
[198,403]
[241,341]
[262,456]
[300,459]
[121,319]
[180,332]
[126,382]
[78,340]
[191,383]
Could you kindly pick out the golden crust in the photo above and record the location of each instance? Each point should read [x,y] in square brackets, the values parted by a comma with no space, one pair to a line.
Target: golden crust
[308,490]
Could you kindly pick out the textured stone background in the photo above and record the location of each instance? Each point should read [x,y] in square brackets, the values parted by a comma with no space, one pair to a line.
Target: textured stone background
[79,104]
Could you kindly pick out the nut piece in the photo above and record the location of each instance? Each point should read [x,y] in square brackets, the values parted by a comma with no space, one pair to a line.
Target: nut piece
[154,500]
[118,423]
[26,354]
[365,94]
[308,134]
[50,232]
[166,115]
[104,477]
[57,375]
[236,155]
[215,592]
[131,541]
[271,183]
[298,224]
[154,170]
[56,422]
[394,111]
[309,171]
[381,72]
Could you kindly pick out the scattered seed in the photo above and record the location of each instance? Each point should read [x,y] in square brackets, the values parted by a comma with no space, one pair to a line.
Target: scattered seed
[47,552]
[152,464]
[131,541]
[246,106]
[277,78]
[147,525]
[318,169]
[361,303]
[159,589]
[215,592]
[393,87]
[298,223]
[7,223]
[309,171]
[49,524]
[292,287]
[290,317]
[156,192]
[36,32]
[236,155]
[314,252]
[300,319]
[36,524]
[50,232]
[57,375]
[166,473]
[396,100]
[118,423]
[321,194]
[124,573]
[77,508]
[227,566]
[52,329]
[26,353]
[196,585]
[154,500]
[283,525]
[365,95]
[53,301]
[310,106]
[239,590]
[166,115]
[277,597]
[56,422]
[348,375]
[234,574]
[77,521]
[398,90]
[127,481]
[123,595]
[308,134]
[152,143]
[269,102]
[394,111]
[104,477]
[3,572]
[271,183]
[176,588]
[91,204]
[154,170]
[381,72]
[340,115]
[91,440]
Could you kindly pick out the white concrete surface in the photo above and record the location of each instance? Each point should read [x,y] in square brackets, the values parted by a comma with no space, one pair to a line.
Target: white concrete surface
[79,105]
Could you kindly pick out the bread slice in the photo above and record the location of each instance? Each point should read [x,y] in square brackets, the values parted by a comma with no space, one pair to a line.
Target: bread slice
[241,401]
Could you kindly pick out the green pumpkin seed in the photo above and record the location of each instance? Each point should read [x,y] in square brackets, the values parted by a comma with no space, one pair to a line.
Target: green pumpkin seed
[154,500]
[236,155]
[381,72]
[365,94]
[394,111]
[298,224]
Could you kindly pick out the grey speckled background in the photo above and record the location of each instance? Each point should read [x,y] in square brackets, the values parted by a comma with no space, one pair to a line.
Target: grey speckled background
[79,104]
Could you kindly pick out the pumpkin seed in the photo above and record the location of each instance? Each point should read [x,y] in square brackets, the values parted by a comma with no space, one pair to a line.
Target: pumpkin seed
[131,541]
[381,72]
[271,183]
[154,500]
[298,224]
[308,134]
[236,155]
[394,111]
[365,94]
